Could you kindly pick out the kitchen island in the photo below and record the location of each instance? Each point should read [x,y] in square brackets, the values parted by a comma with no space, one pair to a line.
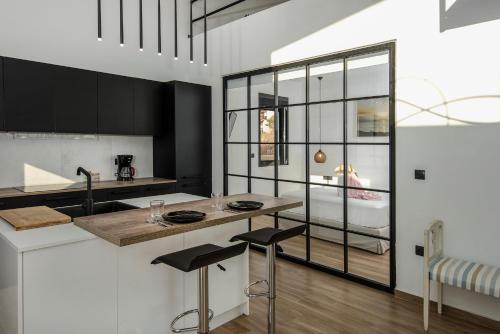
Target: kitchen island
[67,279]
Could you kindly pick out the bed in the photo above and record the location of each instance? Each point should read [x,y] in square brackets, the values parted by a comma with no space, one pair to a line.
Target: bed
[365,216]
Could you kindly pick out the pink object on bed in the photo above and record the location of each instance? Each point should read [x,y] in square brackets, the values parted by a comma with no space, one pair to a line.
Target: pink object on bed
[353,181]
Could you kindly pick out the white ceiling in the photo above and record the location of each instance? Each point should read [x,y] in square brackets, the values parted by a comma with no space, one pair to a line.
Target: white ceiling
[243,9]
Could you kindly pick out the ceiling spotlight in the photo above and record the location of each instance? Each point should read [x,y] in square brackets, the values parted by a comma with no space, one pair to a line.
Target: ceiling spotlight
[191,61]
[121,24]
[121,44]
[159,53]
[159,27]
[191,33]
[99,26]
[176,58]
[205,30]
[175,30]
[141,49]
[141,34]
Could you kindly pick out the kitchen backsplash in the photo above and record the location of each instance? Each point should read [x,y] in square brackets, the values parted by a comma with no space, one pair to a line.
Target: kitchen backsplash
[55,158]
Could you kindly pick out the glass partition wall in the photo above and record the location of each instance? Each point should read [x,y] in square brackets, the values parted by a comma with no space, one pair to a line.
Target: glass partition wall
[321,130]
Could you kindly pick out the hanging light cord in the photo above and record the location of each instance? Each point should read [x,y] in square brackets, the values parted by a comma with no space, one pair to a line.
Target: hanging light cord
[320,78]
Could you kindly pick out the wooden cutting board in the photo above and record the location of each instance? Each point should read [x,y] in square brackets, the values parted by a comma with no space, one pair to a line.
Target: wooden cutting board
[33,217]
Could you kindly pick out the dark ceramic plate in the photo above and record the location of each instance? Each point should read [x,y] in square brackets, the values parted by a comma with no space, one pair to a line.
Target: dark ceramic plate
[245,205]
[183,216]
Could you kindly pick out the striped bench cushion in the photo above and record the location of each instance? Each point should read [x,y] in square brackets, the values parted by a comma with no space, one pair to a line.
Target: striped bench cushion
[466,275]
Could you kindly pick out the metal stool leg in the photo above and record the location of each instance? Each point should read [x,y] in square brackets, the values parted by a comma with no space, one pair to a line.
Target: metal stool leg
[271,279]
[203,300]
[204,313]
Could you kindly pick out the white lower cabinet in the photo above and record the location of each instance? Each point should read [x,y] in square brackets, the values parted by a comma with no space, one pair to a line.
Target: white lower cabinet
[149,296]
[70,289]
[95,287]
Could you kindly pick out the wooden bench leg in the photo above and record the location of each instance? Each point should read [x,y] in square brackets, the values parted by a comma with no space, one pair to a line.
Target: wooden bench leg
[440,297]
[426,303]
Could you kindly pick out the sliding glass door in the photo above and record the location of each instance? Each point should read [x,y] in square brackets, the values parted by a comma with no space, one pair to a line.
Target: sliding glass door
[322,131]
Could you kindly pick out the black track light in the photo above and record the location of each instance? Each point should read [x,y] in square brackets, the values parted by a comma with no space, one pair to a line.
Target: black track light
[159,27]
[99,26]
[141,31]
[122,43]
[175,31]
[205,30]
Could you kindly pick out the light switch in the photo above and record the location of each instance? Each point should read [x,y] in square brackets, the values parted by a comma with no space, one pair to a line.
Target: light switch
[419,174]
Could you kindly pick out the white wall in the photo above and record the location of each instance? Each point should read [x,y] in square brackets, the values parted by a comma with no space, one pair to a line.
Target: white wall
[447,62]
[55,160]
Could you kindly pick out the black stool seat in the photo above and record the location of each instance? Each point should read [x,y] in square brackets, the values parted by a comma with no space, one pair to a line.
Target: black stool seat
[268,235]
[200,256]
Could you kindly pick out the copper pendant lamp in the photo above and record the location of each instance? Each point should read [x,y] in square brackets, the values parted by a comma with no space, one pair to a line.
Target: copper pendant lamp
[320,156]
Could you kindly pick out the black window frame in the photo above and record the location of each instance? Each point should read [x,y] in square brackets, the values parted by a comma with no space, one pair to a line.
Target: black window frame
[390,48]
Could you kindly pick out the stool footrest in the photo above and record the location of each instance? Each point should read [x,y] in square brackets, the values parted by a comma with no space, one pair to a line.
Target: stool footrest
[259,294]
[188,329]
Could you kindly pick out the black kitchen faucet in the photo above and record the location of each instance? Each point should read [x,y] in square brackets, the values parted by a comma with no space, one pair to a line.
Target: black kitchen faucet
[89,202]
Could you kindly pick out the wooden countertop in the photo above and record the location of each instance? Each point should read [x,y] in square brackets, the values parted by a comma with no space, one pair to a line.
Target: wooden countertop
[130,227]
[81,186]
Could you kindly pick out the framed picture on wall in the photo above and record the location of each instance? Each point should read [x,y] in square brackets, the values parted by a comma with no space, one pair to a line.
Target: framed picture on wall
[372,118]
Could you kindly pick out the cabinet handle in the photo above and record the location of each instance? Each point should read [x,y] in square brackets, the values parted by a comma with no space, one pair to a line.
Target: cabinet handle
[158,188]
[59,198]
[124,192]
[193,177]
[187,185]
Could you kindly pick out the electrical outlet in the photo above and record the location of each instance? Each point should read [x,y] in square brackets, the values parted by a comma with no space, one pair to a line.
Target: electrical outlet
[419,250]
[419,174]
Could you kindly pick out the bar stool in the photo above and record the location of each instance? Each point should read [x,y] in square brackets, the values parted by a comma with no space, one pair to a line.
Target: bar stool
[199,257]
[269,237]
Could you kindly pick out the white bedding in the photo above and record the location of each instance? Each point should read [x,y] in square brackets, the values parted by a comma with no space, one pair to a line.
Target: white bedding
[327,205]
[369,217]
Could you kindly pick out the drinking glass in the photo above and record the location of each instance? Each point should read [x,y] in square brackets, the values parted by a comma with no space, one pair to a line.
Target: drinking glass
[217,201]
[157,210]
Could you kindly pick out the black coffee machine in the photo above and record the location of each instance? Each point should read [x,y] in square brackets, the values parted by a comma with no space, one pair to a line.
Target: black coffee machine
[125,172]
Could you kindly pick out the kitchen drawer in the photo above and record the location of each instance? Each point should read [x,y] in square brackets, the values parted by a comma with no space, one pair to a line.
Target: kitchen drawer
[159,189]
[17,202]
[200,188]
[124,193]
[61,199]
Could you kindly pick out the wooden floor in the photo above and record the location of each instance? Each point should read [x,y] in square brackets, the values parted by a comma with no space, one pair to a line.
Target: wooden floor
[362,263]
[310,301]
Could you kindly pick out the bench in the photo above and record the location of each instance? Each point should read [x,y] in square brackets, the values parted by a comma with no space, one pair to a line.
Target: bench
[459,273]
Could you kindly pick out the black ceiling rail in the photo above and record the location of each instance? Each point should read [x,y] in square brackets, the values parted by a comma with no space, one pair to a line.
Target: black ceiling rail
[216,10]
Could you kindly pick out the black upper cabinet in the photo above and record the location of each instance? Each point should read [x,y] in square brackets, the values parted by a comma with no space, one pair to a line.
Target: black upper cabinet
[147,106]
[28,100]
[2,114]
[75,100]
[183,151]
[37,97]
[116,104]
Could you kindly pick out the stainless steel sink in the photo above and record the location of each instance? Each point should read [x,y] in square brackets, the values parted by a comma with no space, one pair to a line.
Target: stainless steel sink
[99,208]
